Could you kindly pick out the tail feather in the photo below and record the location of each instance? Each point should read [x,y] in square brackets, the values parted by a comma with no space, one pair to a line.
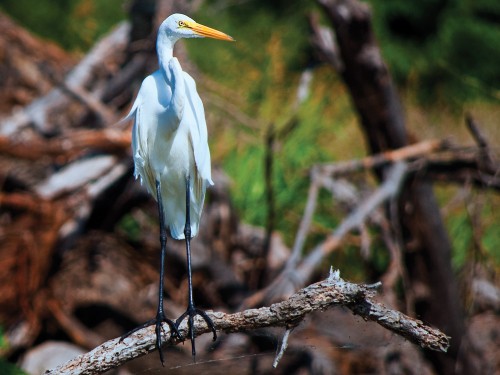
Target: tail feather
[177,231]
[177,223]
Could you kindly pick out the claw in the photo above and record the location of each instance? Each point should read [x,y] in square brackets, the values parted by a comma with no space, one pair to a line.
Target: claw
[191,312]
[160,318]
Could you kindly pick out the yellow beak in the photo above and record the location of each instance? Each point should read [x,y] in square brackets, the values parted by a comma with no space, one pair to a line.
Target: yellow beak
[208,31]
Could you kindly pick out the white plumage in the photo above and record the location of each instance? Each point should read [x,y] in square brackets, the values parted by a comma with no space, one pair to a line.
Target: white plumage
[169,143]
[171,155]
[169,139]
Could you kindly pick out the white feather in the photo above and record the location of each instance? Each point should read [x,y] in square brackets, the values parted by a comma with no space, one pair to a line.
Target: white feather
[168,149]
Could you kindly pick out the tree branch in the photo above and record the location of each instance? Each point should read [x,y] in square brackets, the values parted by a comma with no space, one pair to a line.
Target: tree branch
[107,50]
[299,270]
[316,297]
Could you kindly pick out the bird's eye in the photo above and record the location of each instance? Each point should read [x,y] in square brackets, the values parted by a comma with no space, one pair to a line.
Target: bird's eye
[182,24]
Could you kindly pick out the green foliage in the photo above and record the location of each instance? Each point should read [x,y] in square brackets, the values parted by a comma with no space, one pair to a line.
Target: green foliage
[3,341]
[258,33]
[472,54]
[460,232]
[75,25]
[442,49]
[262,68]
[490,239]
[473,239]
[130,227]
[445,51]
[7,368]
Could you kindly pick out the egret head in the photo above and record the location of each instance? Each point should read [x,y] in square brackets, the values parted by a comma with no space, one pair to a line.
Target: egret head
[179,26]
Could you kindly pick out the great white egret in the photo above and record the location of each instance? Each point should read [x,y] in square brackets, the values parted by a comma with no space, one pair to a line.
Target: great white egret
[171,154]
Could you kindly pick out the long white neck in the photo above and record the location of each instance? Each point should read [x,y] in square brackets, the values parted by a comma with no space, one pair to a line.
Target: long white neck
[172,73]
[165,51]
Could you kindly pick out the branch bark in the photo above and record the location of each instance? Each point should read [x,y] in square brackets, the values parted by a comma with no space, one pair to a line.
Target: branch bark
[299,270]
[426,242]
[316,297]
[38,112]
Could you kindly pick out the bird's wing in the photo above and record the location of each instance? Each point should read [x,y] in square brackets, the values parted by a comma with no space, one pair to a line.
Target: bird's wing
[198,130]
[140,136]
[132,113]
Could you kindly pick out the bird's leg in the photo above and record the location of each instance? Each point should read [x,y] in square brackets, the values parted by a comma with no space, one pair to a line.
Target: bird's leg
[192,311]
[160,313]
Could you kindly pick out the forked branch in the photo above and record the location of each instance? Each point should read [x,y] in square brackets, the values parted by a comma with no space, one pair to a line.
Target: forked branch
[316,297]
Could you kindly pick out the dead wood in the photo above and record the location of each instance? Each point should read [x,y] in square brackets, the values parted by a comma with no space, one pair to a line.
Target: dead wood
[28,246]
[320,296]
[69,197]
[68,147]
[299,269]
[50,113]
[424,237]
[26,65]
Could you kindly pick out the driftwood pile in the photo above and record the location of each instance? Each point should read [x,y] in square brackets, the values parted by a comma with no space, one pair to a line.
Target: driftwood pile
[79,237]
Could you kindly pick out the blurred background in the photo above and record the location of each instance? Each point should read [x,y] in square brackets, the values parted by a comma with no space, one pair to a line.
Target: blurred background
[79,239]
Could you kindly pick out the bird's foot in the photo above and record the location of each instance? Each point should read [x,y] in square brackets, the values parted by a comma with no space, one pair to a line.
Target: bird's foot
[157,321]
[190,313]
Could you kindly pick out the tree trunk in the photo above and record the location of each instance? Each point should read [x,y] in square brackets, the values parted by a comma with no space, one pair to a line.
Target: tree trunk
[425,240]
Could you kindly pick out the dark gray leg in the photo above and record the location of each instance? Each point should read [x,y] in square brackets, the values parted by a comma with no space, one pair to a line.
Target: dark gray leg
[192,311]
[160,313]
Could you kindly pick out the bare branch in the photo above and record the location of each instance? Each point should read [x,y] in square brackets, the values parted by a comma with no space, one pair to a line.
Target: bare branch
[417,150]
[69,146]
[93,103]
[37,112]
[388,190]
[284,345]
[305,223]
[298,271]
[316,297]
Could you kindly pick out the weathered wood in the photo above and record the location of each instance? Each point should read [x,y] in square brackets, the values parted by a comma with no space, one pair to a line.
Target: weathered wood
[27,65]
[428,247]
[80,198]
[317,297]
[300,268]
[40,112]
